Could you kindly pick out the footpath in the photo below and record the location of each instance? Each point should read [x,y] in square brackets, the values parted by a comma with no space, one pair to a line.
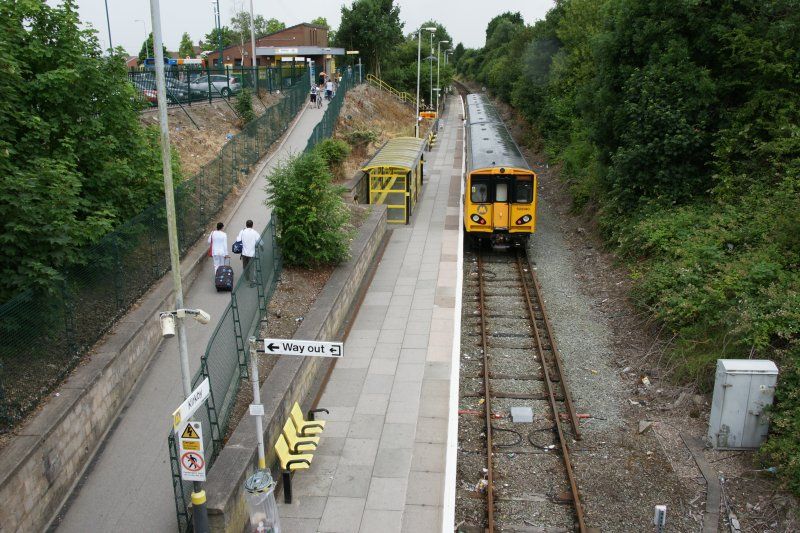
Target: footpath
[380,464]
[127,486]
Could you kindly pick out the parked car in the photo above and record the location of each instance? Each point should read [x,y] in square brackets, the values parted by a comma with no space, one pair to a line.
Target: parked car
[220,85]
[144,92]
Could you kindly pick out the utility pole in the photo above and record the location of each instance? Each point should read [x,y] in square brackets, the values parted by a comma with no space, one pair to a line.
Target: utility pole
[108,23]
[438,61]
[252,37]
[218,22]
[200,512]
[419,59]
[430,102]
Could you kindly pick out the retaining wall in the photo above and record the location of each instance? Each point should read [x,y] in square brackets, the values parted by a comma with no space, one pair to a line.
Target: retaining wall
[292,379]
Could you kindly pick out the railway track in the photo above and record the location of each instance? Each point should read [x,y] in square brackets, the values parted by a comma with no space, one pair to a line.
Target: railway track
[512,476]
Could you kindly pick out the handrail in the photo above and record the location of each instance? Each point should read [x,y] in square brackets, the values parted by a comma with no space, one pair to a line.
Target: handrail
[403,96]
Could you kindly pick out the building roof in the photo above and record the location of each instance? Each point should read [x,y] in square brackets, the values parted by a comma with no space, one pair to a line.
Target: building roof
[400,152]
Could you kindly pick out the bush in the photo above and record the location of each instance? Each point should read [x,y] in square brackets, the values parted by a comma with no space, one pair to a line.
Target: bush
[312,219]
[244,106]
[333,151]
[783,448]
[360,139]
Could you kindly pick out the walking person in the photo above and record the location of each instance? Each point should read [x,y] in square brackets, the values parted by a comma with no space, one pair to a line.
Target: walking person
[329,89]
[313,96]
[249,239]
[219,247]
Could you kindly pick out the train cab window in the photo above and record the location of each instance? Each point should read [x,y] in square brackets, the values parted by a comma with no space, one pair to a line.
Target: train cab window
[524,192]
[479,192]
[501,191]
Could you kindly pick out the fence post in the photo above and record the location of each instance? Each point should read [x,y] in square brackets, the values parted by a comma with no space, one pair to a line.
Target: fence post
[208,77]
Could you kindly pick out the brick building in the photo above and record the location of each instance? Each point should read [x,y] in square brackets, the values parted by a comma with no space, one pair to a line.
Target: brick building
[299,43]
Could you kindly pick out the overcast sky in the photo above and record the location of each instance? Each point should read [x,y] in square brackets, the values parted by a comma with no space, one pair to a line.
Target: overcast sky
[465,19]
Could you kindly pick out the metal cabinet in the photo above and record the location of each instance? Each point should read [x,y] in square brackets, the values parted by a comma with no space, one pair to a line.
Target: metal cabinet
[743,388]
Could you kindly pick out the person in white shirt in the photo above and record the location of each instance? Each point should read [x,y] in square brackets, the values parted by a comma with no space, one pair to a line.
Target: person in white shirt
[329,89]
[249,238]
[219,247]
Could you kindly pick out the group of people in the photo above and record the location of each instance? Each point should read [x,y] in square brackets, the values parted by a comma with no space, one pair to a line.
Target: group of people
[218,241]
[326,87]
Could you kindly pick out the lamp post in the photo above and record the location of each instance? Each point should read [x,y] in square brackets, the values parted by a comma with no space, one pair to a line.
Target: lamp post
[200,512]
[419,58]
[108,23]
[144,27]
[252,37]
[218,24]
[430,101]
[438,55]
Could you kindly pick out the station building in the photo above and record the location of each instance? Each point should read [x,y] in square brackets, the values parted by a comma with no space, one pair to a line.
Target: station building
[298,44]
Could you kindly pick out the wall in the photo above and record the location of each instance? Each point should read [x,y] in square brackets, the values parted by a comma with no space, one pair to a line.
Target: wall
[292,379]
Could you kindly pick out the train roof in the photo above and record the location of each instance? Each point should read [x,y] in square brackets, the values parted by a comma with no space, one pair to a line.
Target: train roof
[400,152]
[490,142]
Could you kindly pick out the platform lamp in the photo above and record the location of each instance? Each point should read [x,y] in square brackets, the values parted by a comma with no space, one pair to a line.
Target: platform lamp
[438,61]
[419,59]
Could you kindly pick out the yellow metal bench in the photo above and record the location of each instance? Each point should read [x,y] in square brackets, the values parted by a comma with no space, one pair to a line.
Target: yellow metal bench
[289,463]
[298,443]
[308,427]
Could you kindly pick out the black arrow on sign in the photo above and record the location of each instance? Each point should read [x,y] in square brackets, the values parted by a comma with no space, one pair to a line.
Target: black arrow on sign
[272,347]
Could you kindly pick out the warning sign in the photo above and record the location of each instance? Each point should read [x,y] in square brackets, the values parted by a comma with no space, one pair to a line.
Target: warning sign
[193,462]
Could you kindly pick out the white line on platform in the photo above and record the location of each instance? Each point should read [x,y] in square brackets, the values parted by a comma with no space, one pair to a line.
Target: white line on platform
[449,508]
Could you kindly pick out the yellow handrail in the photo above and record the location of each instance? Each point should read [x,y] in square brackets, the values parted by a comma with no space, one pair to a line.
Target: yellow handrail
[402,96]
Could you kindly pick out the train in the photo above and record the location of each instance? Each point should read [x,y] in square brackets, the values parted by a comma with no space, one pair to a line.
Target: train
[500,189]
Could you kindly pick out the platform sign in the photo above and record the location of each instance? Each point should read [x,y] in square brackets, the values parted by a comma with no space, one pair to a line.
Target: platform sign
[303,348]
[191,453]
[191,404]
[427,114]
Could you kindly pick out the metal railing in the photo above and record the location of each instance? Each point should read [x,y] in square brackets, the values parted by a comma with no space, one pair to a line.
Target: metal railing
[186,85]
[401,95]
[226,358]
[43,335]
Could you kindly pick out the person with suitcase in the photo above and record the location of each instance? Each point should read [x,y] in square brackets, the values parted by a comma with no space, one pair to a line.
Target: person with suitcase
[249,239]
[218,242]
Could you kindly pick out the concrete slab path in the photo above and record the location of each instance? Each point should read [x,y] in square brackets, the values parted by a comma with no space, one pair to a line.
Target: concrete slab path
[380,464]
[128,486]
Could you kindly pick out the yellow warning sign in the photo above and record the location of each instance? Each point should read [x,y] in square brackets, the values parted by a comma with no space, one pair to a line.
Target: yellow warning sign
[189,433]
[190,445]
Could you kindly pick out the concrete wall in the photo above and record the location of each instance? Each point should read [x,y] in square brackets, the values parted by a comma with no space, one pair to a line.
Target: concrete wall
[292,379]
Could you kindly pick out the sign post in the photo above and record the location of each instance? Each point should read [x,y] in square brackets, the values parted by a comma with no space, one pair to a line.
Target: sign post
[303,348]
[190,405]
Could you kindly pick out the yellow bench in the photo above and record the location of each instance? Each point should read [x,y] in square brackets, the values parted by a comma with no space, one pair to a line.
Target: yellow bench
[310,426]
[298,443]
[289,463]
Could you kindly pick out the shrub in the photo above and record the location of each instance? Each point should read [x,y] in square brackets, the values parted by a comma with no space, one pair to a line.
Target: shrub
[244,106]
[360,139]
[783,448]
[333,151]
[312,219]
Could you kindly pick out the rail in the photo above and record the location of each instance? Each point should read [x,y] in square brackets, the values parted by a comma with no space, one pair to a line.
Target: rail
[382,85]
[517,350]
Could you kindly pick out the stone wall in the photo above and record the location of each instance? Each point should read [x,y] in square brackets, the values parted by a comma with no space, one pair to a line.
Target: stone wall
[292,379]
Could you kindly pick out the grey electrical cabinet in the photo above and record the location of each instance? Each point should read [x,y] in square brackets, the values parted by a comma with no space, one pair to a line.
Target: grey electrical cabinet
[743,388]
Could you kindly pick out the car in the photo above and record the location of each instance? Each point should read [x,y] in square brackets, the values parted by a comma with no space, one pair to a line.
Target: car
[220,85]
[177,91]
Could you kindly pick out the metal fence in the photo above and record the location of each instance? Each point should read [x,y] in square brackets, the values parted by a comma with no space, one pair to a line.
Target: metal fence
[226,359]
[44,335]
[187,84]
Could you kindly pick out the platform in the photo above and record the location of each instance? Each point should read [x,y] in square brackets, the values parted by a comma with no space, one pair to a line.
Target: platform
[380,464]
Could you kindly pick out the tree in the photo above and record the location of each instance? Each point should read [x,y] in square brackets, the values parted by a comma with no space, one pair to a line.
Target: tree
[75,159]
[321,21]
[228,38]
[373,28]
[274,25]
[186,48]
[147,49]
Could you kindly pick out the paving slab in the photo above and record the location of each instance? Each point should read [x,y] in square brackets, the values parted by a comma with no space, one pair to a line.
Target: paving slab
[390,471]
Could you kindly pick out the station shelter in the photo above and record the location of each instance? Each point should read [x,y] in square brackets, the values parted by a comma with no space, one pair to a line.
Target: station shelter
[395,175]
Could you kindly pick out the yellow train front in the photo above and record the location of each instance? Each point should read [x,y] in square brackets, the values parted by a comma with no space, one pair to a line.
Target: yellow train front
[500,189]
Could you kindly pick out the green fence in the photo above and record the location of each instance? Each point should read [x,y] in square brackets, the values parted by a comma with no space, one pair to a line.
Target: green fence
[193,84]
[43,336]
[226,359]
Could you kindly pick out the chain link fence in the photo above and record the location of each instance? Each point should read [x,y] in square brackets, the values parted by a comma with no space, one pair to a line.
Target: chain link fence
[187,84]
[44,335]
[226,359]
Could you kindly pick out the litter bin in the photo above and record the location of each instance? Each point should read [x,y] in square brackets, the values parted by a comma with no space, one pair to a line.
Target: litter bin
[260,494]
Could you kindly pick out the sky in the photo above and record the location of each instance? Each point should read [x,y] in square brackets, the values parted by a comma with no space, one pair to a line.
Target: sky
[465,20]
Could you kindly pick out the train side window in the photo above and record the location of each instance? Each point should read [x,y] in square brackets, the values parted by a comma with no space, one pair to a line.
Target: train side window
[524,191]
[501,191]
[479,192]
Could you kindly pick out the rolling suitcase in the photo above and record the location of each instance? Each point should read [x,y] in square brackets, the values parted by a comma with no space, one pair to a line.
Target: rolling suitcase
[223,278]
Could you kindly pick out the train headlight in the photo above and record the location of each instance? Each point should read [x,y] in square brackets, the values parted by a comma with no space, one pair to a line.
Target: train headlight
[477,219]
[524,219]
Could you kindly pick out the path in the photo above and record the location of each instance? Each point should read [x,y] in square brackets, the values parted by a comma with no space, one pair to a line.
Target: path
[128,486]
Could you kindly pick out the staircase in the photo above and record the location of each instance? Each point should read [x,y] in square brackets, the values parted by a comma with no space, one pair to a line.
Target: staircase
[402,96]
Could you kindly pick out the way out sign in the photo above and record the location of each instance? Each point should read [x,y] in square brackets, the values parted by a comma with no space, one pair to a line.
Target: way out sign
[190,452]
[303,348]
